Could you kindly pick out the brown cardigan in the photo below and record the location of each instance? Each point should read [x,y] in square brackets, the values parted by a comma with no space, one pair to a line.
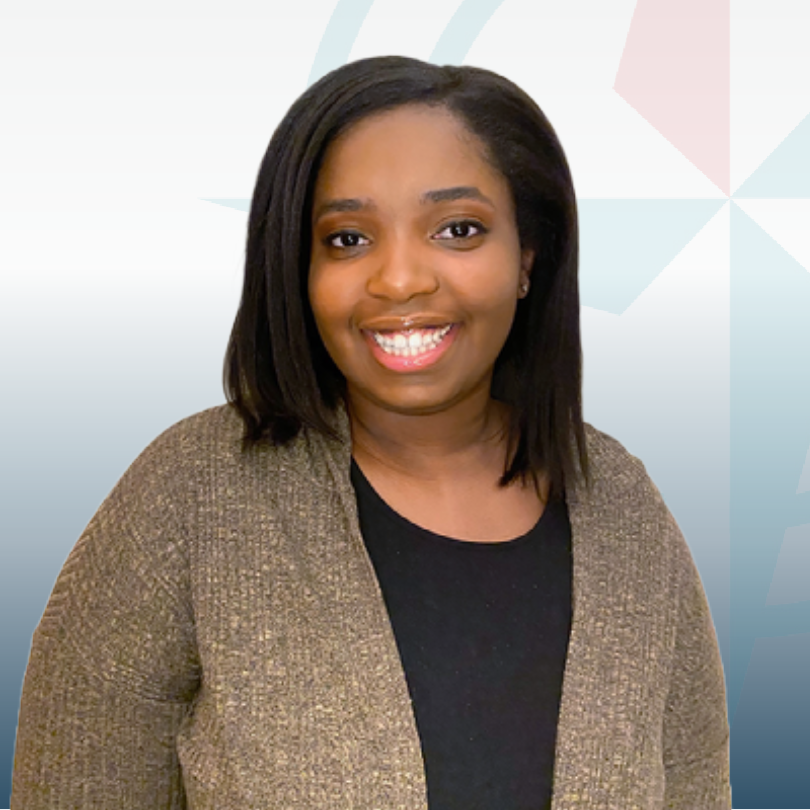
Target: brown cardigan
[217,639]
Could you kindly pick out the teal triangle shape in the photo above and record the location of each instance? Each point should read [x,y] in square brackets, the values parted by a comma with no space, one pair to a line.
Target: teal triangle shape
[785,173]
[238,204]
[626,244]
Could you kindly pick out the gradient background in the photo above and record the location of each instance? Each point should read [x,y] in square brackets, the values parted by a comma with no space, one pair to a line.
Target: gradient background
[120,278]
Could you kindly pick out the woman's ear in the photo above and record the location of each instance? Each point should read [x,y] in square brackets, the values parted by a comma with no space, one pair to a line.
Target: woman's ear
[526,262]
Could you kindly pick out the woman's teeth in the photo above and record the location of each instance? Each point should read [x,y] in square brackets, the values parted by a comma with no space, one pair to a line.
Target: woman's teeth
[411,343]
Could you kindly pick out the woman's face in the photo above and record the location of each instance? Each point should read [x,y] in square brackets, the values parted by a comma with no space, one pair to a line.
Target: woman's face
[416,266]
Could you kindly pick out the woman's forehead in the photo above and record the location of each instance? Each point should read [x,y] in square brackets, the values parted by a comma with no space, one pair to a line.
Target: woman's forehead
[414,150]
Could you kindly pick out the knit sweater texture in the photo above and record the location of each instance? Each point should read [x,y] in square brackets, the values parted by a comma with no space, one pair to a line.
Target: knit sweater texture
[217,639]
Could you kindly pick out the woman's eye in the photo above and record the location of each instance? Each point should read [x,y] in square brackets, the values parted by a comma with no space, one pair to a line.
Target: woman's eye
[465,229]
[346,239]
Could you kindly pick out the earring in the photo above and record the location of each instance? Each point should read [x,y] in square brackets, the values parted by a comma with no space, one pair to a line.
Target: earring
[524,288]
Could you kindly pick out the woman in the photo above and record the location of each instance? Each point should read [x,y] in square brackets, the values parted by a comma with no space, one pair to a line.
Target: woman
[397,570]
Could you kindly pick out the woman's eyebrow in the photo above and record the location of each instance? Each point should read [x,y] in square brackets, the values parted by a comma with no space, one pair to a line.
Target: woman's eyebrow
[456,193]
[340,205]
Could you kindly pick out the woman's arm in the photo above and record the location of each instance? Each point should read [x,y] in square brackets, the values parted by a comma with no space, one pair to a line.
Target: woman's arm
[113,666]
[696,733]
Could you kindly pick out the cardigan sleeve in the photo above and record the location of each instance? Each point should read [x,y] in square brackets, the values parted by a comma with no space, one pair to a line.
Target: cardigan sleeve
[113,666]
[695,728]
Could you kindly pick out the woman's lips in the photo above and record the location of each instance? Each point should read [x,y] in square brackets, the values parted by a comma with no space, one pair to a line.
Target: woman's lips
[404,362]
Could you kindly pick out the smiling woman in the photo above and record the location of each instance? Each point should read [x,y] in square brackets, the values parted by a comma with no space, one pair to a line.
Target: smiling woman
[397,569]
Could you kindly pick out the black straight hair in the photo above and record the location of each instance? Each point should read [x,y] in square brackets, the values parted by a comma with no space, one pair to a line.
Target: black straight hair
[278,375]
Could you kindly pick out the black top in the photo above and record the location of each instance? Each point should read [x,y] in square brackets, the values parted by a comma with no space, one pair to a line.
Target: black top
[482,631]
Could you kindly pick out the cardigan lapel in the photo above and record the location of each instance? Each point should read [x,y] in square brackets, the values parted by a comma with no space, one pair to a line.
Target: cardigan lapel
[396,711]
[608,749]
[575,771]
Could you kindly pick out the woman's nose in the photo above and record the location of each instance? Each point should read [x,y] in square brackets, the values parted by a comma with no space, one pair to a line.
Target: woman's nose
[403,272]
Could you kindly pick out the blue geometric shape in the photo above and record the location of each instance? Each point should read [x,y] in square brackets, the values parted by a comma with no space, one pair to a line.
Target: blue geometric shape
[236,203]
[770,429]
[785,173]
[341,31]
[626,244]
[791,579]
[463,29]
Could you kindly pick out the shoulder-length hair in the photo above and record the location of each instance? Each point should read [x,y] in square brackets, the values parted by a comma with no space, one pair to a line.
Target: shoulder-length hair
[278,375]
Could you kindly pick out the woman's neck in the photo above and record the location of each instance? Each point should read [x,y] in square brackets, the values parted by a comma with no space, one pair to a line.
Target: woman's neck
[446,447]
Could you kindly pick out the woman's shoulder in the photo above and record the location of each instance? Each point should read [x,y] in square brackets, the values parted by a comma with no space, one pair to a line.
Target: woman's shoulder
[208,444]
[194,477]
[196,433]
[621,486]
[213,432]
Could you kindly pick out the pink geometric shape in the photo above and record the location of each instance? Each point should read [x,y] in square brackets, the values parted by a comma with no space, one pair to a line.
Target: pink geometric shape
[676,72]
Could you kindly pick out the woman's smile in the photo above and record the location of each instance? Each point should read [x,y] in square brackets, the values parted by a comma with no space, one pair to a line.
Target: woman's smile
[411,349]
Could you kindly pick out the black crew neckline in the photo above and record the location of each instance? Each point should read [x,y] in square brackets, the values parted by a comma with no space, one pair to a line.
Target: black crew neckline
[389,513]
